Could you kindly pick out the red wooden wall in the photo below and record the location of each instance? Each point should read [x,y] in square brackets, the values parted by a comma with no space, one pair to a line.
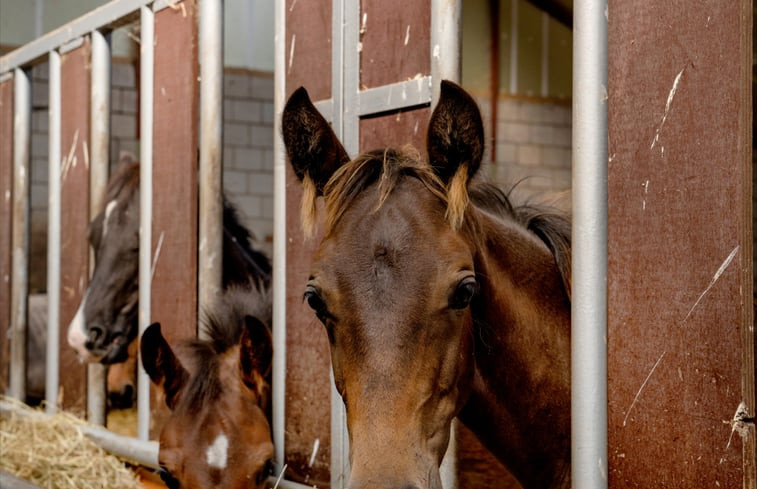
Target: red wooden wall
[6,216]
[74,247]
[680,319]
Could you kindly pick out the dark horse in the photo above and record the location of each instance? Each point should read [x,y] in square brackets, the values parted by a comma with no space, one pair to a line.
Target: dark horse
[218,391]
[106,321]
[439,298]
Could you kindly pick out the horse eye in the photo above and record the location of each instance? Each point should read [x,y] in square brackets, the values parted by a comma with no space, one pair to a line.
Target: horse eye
[463,293]
[314,299]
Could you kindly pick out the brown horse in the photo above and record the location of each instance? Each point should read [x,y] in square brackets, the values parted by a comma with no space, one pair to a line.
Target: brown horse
[217,434]
[439,298]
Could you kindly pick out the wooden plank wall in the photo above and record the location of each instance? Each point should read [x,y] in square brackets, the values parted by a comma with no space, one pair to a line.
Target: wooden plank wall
[174,209]
[6,219]
[680,324]
[74,266]
[308,389]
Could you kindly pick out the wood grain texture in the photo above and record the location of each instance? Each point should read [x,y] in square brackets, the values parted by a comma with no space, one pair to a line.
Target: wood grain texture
[74,212]
[679,333]
[6,219]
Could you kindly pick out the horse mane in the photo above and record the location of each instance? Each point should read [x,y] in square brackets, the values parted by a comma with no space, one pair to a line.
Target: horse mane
[223,324]
[241,236]
[549,223]
[124,182]
[387,166]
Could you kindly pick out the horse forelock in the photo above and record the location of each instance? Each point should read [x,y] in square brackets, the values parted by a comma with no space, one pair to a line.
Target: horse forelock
[223,325]
[386,167]
[123,183]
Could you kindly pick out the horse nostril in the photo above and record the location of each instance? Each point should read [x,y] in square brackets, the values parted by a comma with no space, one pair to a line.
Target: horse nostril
[95,335]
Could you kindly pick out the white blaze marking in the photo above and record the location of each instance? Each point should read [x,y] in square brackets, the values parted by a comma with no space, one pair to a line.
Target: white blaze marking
[108,211]
[77,334]
[217,452]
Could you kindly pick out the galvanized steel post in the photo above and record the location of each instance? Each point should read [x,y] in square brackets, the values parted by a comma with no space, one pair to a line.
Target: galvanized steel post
[446,51]
[589,303]
[147,43]
[98,179]
[210,259]
[20,241]
[52,379]
[446,43]
[278,380]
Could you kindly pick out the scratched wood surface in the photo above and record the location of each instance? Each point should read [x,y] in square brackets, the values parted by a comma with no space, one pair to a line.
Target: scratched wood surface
[681,346]
[174,211]
[308,406]
[6,203]
[74,247]
[395,41]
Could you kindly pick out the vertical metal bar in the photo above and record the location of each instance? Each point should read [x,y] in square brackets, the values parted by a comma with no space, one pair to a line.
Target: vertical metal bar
[346,77]
[278,379]
[147,42]
[589,305]
[210,259]
[53,236]
[446,48]
[544,54]
[345,21]
[20,278]
[98,179]
[514,47]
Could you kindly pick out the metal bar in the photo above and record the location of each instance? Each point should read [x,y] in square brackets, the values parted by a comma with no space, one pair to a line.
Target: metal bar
[20,277]
[52,367]
[514,48]
[210,259]
[103,18]
[143,452]
[326,108]
[446,45]
[446,52]
[394,96]
[98,179]
[146,46]
[589,304]
[544,55]
[345,85]
[278,380]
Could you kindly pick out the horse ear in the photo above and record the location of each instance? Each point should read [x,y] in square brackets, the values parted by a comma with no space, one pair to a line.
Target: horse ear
[455,133]
[162,365]
[312,147]
[255,352]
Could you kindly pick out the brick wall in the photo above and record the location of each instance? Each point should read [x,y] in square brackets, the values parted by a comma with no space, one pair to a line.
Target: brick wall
[247,159]
[533,145]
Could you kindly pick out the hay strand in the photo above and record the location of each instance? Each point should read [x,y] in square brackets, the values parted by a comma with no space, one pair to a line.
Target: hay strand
[51,452]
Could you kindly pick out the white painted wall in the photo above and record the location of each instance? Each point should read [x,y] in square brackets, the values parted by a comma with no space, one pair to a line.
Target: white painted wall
[248,23]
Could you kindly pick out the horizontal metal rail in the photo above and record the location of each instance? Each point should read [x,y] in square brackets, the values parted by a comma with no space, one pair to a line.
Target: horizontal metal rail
[104,18]
[143,452]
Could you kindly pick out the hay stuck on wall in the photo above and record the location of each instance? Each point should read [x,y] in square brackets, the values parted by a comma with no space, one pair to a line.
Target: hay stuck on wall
[51,452]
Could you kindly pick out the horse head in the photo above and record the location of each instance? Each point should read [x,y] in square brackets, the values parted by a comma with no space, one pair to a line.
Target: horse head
[217,434]
[392,282]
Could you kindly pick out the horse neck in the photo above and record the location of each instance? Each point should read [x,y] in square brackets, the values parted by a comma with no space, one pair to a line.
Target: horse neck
[520,404]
